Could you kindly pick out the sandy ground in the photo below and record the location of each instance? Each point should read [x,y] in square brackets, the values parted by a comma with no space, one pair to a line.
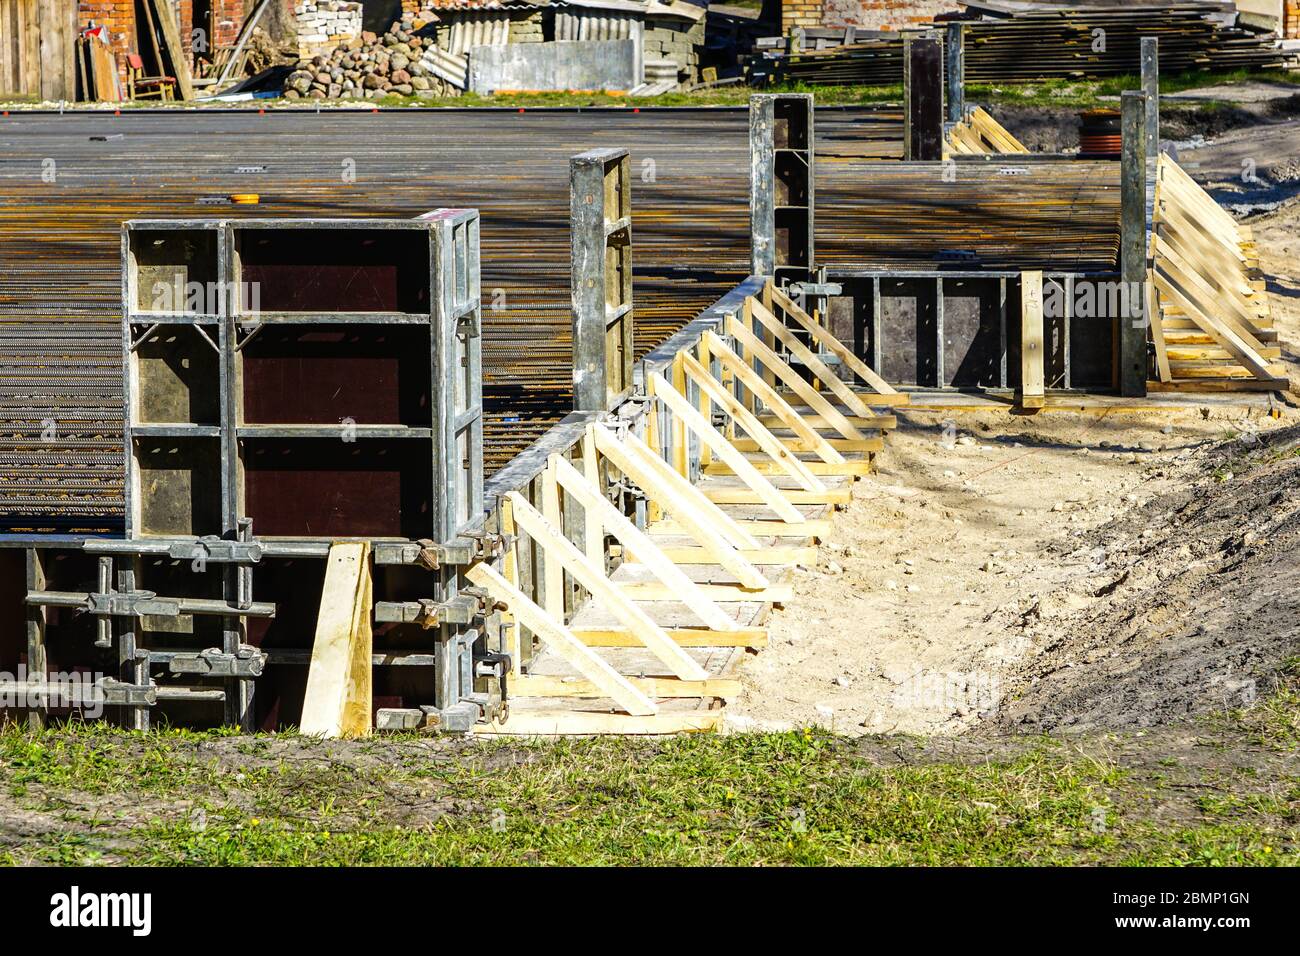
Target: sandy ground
[993,553]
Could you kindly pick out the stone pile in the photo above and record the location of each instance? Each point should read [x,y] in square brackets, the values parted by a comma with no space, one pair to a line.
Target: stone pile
[370,66]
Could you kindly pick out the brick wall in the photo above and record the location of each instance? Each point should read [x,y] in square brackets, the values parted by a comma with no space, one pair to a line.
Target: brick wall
[119,17]
[1291,20]
[868,14]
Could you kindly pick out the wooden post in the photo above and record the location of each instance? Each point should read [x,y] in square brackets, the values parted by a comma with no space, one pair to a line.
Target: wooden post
[1133,246]
[1031,339]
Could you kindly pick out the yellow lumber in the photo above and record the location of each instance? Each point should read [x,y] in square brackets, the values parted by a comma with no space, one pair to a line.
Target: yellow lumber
[634,539]
[561,640]
[603,591]
[337,702]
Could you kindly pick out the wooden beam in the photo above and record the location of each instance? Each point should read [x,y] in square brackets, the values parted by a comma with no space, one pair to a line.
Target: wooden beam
[825,337]
[769,396]
[701,522]
[639,543]
[337,702]
[724,593]
[762,558]
[547,685]
[604,592]
[792,379]
[1031,340]
[561,640]
[787,460]
[797,496]
[726,452]
[760,527]
[755,637]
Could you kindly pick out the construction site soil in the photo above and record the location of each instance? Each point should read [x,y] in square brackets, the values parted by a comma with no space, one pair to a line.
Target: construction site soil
[1056,572]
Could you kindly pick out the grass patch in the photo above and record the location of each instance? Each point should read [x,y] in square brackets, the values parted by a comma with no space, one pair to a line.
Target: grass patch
[90,794]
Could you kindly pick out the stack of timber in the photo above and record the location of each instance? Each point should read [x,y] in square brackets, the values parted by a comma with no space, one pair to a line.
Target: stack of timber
[671,611]
[978,134]
[1211,326]
[1018,42]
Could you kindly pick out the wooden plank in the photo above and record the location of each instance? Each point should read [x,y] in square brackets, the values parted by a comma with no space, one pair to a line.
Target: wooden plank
[699,523]
[637,541]
[743,496]
[166,21]
[337,702]
[702,427]
[826,338]
[1198,302]
[1168,285]
[562,641]
[811,362]
[603,592]
[510,571]
[1031,339]
[547,685]
[755,637]
[759,527]
[792,379]
[724,593]
[853,468]
[795,445]
[778,406]
[683,554]
[532,723]
[787,460]
[1157,332]
[552,574]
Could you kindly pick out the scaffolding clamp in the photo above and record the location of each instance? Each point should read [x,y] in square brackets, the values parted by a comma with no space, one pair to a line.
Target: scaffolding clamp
[217,551]
[248,661]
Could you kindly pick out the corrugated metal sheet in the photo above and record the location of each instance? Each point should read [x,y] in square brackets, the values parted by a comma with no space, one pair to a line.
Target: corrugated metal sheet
[576,23]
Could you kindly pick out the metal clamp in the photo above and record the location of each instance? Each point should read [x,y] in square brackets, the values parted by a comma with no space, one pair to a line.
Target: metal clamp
[248,661]
[217,550]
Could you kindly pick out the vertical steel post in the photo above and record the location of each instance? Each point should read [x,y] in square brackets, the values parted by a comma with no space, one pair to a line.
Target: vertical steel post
[955,54]
[600,225]
[1151,89]
[762,202]
[1133,246]
[781,186]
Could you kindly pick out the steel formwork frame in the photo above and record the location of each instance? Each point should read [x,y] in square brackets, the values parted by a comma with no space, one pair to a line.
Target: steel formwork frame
[600,216]
[449,536]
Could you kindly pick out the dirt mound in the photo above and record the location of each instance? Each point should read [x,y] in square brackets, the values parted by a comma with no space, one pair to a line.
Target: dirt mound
[1192,603]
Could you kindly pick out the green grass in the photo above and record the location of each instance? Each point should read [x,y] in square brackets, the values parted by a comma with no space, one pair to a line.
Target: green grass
[802,798]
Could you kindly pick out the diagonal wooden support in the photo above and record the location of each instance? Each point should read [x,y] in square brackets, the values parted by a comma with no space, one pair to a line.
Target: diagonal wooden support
[725,450]
[605,592]
[701,522]
[787,460]
[825,338]
[810,361]
[791,378]
[338,698]
[561,640]
[595,504]
[782,410]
